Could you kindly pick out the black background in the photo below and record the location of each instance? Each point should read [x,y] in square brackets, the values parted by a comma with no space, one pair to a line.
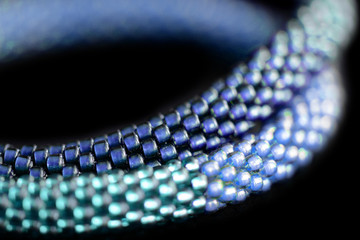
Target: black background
[319,201]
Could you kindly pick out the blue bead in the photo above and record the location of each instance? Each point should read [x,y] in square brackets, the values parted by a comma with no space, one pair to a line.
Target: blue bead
[40,156]
[168,152]
[244,147]
[180,137]
[71,154]
[144,130]
[200,107]
[127,130]
[226,128]
[219,85]
[291,154]
[191,122]
[253,78]
[87,162]
[132,142]
[247,93]
[149,148]
[54,150]
[184,109]
[71,144]
[241,127]
[173,119]
[215,189]
[70,171]
[119,157]
[102,167]
[201,158]
[262,148]
[10,155]
[114,139]
[86,146]
[219,156]
[55,163]
[277,151]
[220,108]
[229,94]
[238,111]
[162,133]
[256,183]
[227,173]
[210,168]
[210,95]
[101,149]
[136,161]
[6,171]
[254,163]
[210,125]
[229,193]
[283,136]
[263,95]
[213,143]
[242,179]
[22,164]
[27,150]
[234,80]
[184,154]
[253,113]
[156,121]
[236,159]
[197,142]
[37,172]
[269,168]
[227,148]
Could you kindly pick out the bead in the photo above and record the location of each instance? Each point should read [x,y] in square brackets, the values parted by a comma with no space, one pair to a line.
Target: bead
[229,94]
[173,119]
[191,164]
[162,133]
[236,159]
[220,109]
[242,179]
[210,125]
[228,173]
[200,107]
[27,150]
[23,164]
[37,172]
[213,143]
[238,111]
[101,149]
[10,155]
[149,148]
[210,95]
[119,157]
[254,163]
[132,142]
[256,183]
[229,193]
[180,137]
[210,168]
[184,110]
[156,121]
[191,123]
[168,152]
[55,163]
[85,146]
[244,147]
[277,151]
[247,93]
[114,139]
[215,188]
[70,171]
[136,161]
[55,150]
[197,142]
[127,130]
[262,148]
[6,171]
[71,154]
[219,156]
[226,128]
[102,167]
[87,162]
[269,168]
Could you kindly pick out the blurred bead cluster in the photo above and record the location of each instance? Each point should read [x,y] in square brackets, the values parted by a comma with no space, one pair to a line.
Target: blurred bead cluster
[202,154]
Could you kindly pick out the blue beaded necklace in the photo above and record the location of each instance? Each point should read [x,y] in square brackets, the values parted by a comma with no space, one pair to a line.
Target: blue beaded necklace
[198,157]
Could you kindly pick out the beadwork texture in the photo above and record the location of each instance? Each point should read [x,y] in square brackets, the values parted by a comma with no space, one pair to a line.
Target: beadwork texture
[199,156]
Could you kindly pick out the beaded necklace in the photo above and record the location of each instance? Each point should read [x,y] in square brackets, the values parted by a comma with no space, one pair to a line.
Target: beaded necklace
[198,157]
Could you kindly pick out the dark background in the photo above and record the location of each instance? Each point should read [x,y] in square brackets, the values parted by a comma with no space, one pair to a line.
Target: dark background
[318,201]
